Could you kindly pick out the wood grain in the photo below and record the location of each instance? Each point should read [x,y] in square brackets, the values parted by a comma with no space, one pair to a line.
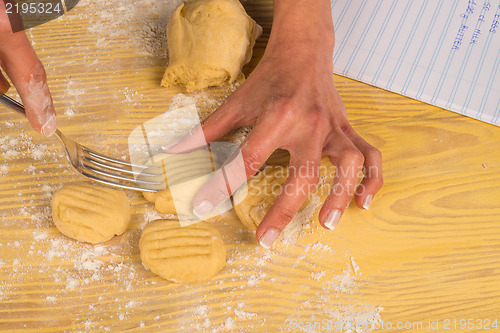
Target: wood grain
[428,248]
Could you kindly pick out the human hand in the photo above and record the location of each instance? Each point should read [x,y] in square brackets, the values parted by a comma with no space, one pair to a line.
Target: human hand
[291,101]
[22,66]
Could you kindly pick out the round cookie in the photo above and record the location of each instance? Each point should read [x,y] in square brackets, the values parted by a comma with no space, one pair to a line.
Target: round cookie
[263,188]
[252,202]
[189,254]
[90,213]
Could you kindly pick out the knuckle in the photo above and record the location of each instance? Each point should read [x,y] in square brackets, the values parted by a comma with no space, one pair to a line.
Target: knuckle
[312,178]
[317,117]
[287,111]
[374,154]
[354,156]
[318,121]
[307,173]
[310,174]
[378,181]
[347,129]
[38,74]
[285,215]
[285,108]
[251,163]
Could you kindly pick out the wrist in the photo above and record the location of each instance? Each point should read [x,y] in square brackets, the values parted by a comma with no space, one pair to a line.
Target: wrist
[303,28]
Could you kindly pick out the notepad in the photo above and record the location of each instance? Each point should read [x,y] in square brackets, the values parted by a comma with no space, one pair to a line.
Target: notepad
[442,52]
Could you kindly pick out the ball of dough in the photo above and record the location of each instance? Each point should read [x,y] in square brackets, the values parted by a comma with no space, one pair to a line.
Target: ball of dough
[209,41]
[187,254]
[252,202]
[90,213]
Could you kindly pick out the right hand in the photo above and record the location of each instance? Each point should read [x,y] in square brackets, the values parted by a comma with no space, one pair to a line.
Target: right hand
[291,101]
[25,70]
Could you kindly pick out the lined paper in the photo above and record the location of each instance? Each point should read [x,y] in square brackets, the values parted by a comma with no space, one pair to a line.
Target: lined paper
[442,52]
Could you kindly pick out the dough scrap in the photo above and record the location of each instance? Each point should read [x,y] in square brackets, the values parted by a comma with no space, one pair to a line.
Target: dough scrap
[180,168]
[251,203]
[189,254]
[90,213]
[186,174]
[209,41]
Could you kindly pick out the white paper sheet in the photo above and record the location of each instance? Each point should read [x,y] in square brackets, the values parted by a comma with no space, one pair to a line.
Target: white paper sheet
[442,52]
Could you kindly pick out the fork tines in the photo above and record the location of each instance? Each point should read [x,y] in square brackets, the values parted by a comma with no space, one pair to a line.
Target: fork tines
[119,173]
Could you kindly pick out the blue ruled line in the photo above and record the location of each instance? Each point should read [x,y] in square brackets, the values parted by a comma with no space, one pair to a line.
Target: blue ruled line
[391,44]
[380,33]
[362,39]
[422,47]
[465,62]
[349,31]
[435,54]
[488,87]
[407,45]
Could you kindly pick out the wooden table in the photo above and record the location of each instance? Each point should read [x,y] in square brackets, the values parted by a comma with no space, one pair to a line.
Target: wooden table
[427,250]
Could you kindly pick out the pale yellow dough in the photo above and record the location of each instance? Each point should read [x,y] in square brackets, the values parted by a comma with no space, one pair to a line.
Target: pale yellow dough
[251,203]
[90,213]
[189,254]
[179,168]
[185,175]
[209,41]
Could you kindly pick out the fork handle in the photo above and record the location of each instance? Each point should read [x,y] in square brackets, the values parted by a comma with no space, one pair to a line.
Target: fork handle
[13,104]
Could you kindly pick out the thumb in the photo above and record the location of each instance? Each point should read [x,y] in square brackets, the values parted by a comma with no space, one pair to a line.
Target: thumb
[221,186]
[4,84]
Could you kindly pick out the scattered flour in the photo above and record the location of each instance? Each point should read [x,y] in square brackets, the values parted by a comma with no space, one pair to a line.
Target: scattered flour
[243,314]
[51,299]
[78,267]
[355,266]
[69,112]
[39,235]
[300,222]
[202,100]
[4,168]
[229,323]
[201,310]
[22,146]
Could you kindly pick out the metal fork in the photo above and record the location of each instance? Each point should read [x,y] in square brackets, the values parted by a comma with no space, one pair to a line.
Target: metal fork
[101,168]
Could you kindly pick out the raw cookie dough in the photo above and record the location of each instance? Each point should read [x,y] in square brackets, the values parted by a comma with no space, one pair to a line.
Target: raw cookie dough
[179,168]
[90,213]
[185,175]
[251,206]
[209,41]
[188,254]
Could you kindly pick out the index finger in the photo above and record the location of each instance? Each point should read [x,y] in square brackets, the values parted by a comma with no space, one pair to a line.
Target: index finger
[252,154]
[26,72]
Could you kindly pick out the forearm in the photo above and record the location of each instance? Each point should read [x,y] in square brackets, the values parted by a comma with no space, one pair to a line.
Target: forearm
[304,27]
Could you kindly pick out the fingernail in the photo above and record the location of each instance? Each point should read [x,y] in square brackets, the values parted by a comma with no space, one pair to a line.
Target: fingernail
[50,126]
[368,200]
[170,145]
[267,240]
[203,208]
[333,219]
